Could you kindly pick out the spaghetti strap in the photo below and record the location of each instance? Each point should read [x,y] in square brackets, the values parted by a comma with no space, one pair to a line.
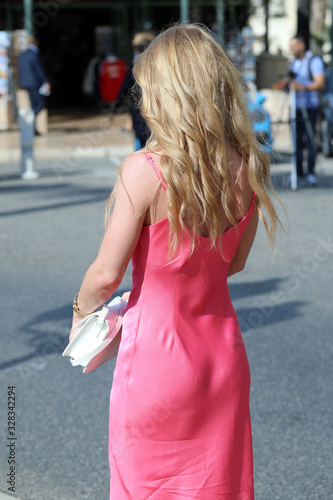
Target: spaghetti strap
[156,169]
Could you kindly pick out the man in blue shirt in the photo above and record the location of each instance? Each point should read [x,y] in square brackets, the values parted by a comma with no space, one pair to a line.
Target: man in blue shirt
[32,76]
[308,80]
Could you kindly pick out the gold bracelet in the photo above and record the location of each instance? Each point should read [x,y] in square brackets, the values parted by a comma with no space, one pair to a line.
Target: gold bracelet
[76,308]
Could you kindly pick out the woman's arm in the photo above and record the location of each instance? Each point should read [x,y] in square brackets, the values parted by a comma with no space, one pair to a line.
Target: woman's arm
[120,239]
[244,246]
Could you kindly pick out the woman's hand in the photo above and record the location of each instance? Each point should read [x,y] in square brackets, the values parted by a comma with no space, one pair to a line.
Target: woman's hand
[77,318]
[74,331]
[126,295]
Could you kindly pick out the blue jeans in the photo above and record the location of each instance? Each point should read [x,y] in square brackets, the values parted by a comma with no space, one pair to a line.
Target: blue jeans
[37,100]
[301,131]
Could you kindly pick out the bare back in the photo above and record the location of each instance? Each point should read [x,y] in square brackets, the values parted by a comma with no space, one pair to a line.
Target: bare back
[242,191]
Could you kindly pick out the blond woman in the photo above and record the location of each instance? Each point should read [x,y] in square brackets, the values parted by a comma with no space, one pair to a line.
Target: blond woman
[186,212]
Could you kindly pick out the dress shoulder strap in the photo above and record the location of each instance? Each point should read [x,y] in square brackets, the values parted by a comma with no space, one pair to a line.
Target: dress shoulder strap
[156,169]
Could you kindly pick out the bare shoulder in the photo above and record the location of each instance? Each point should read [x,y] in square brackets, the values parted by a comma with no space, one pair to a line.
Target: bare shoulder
[137,173]
[135,166]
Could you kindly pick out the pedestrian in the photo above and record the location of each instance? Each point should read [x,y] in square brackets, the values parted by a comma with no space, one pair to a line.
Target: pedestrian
[186,211]
[32,76]
[139,43]
[308,79]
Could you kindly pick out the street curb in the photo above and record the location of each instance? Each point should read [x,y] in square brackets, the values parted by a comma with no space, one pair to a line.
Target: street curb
[48,154]
[3,496]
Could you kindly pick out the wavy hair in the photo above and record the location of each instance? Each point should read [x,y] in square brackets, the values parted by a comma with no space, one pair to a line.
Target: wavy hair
[193,100]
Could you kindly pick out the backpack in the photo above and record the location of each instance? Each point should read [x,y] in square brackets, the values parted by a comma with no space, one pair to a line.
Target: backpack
[309,64]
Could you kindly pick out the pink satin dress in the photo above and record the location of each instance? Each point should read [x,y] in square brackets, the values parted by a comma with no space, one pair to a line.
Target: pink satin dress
[179,407]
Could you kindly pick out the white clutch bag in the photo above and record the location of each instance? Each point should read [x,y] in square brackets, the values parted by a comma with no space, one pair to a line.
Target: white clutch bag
[98,339]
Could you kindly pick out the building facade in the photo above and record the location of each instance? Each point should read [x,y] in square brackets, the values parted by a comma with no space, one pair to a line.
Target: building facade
[72,32]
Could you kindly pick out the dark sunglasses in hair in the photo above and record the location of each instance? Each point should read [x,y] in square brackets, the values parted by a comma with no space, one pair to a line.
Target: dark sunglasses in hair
[135,93]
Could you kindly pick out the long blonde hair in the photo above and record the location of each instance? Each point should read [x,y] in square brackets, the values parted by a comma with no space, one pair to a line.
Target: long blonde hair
[193,100]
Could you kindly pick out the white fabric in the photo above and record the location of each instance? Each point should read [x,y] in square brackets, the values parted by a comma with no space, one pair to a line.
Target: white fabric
[97,333]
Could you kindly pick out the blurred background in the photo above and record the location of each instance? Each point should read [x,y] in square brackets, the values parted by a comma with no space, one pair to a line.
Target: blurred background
[77,36]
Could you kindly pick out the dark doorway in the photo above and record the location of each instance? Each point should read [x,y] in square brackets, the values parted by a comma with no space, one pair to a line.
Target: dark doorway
[67,45]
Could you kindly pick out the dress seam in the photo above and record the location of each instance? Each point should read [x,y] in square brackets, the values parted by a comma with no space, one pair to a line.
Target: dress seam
[134,340]
[175,301]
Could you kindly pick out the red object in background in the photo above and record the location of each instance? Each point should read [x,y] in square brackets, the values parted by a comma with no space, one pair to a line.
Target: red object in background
[111,76]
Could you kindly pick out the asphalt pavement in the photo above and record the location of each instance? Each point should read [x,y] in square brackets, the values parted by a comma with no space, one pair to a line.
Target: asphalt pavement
[50,231]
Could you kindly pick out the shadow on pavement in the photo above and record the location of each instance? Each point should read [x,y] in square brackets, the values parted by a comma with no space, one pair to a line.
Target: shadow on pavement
[267,307]
[45,173]
[241,290]
[44,342]
[83,195]
[54,206]
[32,187]
[252,319]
